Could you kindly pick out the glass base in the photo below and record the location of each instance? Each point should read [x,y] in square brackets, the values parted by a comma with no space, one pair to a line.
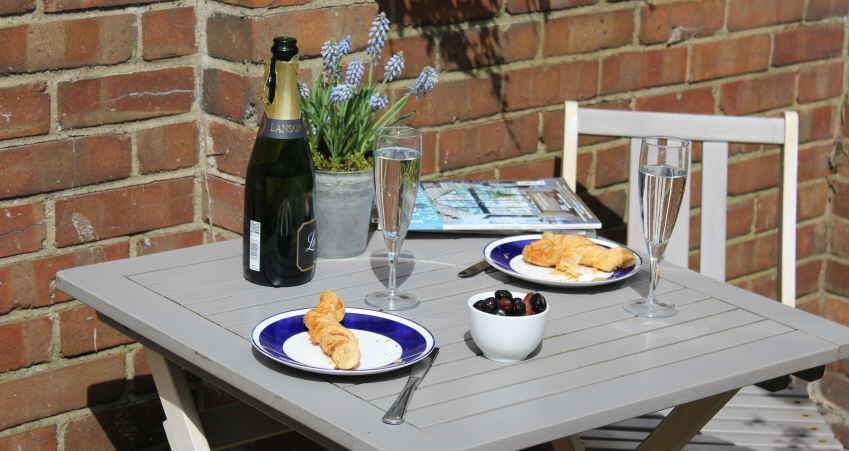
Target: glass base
[647,309]
[384,300]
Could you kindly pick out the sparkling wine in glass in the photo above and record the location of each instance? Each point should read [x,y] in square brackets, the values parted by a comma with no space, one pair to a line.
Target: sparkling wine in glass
[664,165]
[397,169]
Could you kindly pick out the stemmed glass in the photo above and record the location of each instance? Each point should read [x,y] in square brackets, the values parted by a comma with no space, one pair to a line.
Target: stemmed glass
[664,166]
[397,169]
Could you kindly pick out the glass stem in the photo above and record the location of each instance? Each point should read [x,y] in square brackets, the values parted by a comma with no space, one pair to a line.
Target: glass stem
[655,256]
[391,247]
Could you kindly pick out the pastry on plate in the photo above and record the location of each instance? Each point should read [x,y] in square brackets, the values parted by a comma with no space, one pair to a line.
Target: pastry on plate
[335,339]
[558,251]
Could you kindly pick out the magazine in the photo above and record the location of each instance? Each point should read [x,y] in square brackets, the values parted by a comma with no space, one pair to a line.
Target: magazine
[500,206]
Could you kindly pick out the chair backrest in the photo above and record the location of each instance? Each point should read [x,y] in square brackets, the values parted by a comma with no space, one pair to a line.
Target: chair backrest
[715,132]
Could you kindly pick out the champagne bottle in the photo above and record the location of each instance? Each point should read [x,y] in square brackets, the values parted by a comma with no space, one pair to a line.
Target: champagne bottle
[278,245]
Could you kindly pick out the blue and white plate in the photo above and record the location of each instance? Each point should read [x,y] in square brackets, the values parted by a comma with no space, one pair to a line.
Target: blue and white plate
[506,256]
[387,342]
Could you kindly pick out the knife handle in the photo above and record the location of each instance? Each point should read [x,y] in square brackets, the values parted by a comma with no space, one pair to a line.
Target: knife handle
[395,414]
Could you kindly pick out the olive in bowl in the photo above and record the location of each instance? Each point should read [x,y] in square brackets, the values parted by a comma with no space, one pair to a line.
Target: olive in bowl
[505,335]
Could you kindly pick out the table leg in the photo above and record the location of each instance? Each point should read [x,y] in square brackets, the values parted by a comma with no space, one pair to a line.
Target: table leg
[184,429]
[684,422]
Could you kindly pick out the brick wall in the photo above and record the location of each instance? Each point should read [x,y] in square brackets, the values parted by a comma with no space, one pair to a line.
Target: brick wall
[125,127]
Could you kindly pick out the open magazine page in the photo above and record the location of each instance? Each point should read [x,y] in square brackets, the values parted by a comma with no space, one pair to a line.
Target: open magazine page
[500,205]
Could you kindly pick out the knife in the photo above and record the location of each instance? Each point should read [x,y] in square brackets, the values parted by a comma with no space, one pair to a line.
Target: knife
[395,414]
[474,269]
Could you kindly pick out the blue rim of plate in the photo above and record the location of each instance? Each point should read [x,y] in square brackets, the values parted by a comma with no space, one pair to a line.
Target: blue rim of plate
[500,252]
[415,340]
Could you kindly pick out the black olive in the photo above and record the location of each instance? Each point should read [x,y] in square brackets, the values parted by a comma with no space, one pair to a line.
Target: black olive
[503,294]
[489,305]
[518,309]
[480,305]
[538,303]
[499,312]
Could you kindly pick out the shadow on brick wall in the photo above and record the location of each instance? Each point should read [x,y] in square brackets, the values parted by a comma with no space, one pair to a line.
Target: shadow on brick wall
[126,427]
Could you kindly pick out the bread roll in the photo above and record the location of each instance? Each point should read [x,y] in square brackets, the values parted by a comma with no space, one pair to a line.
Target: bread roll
[335,339]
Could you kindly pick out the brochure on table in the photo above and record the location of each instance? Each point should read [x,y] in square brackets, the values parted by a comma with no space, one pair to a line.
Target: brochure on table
[500,206]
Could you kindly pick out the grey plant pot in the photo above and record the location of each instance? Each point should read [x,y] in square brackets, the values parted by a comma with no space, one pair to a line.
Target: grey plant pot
[343,205]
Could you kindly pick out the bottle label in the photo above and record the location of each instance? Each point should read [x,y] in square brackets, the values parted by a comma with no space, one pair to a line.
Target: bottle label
[306,246]
[282,129]
[254,246]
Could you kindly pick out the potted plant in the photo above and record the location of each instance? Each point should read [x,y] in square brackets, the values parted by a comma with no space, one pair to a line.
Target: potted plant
[341,114]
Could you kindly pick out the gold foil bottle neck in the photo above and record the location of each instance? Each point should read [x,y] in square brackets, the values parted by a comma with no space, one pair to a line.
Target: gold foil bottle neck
[286,104]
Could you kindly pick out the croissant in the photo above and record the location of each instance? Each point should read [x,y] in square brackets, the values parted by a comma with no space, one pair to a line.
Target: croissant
[555,250]
[335,339]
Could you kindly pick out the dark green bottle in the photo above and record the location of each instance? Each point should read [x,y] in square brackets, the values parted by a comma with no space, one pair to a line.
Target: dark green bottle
[279,225]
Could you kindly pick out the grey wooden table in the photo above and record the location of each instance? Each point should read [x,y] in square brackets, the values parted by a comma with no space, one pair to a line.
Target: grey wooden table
[597,365]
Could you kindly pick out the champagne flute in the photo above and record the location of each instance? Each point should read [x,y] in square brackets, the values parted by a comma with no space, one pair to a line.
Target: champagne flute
[664,166]
[397,169]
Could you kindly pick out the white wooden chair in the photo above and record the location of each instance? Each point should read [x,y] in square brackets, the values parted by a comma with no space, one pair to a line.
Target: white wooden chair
[753,409]
[715,132]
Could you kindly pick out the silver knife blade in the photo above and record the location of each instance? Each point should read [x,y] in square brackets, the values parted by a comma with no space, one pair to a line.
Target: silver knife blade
[475,269]
[395,414]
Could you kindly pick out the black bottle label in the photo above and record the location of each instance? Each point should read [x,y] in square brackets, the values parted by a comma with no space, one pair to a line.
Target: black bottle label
[282,129]
[306,246]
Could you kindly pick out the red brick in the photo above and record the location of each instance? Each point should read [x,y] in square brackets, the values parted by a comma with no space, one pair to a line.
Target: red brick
[729,57]
[761,13]
[814,162]
[266,3]
[751,256]
[419,51]
[840,239]
[81,332]
[428,153]
[807,43]
[22,228]
[16,7]
[692,101]
[41,439]
[612,166]
[815,123]
[526,6]
[844,130]
[738,219]
[757,94]
[531,170]
[610,207]
[487,46]
[820,82]
[840,199]
[767,216]
[491,141]
[741,181]
[552,130]
[33,283]
[66,5]
[168,147]
[61,389]
[674,22]
[444,11]
[142,377]
[812,201]
[25,343]
[126,97]
[124,211]
[630,71]
[550,85]
[821,9]
[453,101]
[70,43]
[585,161]
[811,239]
[154,244]
[231,147]
[836,275]
[24,110]
[589,32]
[168,32]
[232,96]
[487,174]
[129,428]
[68,163]
[224,203]
[239,38]
[765,285]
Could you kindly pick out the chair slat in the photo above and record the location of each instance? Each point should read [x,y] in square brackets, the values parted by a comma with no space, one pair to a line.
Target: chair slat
[714,199]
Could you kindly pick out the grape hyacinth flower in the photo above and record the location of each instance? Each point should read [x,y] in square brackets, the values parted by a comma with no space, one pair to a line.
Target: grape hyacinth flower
[378,101]
[355,72]
[394,66]
[345,46]
[331,55]
[342,93]
[303,90]
[377,38]
[425,83]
